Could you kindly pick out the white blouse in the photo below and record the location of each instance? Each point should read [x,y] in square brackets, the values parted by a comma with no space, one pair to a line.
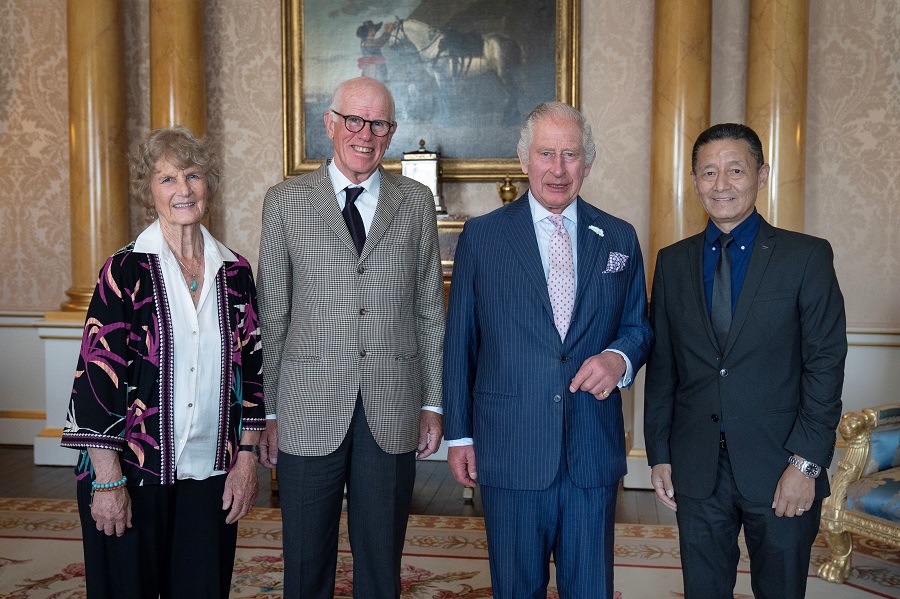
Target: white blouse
[197,344]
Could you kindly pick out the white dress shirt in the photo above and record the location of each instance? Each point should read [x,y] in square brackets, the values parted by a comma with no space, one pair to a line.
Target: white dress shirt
[367,200]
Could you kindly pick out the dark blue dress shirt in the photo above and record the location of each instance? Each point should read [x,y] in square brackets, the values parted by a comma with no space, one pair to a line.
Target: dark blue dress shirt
[744,236]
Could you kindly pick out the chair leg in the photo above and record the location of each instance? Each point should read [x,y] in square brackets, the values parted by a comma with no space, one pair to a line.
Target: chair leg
[839,564]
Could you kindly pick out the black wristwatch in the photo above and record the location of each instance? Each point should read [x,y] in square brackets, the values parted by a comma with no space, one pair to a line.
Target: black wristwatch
[808,469]
[253,448]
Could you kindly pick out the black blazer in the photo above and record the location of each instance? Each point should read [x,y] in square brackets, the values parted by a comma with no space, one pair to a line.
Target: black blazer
[776,387]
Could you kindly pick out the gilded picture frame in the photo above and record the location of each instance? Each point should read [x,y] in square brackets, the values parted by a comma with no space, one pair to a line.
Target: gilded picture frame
[448,101]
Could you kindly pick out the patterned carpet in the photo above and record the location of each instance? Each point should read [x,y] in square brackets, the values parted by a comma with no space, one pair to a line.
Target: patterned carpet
[445,558]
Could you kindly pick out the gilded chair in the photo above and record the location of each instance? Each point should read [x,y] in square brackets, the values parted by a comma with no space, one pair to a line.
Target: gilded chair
[865,491]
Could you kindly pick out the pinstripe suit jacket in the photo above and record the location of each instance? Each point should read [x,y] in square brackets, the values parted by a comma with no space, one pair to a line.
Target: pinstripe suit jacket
[334,322]
[506,372]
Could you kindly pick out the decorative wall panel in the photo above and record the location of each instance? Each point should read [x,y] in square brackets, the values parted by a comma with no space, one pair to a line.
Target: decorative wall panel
[853,135]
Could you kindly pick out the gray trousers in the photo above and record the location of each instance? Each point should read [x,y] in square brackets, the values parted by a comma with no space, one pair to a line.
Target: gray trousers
[379,494]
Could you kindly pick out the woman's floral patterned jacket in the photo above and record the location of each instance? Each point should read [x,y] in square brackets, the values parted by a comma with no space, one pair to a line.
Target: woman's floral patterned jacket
[122,397]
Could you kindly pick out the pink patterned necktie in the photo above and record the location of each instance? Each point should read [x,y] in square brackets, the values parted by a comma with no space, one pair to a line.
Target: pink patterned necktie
[561,281]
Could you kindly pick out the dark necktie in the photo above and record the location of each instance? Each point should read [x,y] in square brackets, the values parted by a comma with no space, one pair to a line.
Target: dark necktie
[353,219]
[721,295]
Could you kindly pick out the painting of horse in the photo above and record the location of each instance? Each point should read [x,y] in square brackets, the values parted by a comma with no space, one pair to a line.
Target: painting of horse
[463,74]
[452,58]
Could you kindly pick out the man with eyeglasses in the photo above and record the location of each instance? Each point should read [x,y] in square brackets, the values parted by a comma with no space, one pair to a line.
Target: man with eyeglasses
[352,309]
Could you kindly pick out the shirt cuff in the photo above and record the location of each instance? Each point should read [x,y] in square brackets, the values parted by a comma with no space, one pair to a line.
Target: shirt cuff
[459,442]
[628,377]
[434,409]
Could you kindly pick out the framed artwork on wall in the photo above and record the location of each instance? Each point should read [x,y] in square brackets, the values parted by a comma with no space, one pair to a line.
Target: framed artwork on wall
[464,74]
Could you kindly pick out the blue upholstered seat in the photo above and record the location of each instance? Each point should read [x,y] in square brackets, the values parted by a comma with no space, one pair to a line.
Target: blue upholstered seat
[877,495]
[865,491]
[877,492]
[884,451]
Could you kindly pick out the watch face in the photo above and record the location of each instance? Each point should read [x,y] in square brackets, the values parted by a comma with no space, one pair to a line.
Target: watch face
[808,469]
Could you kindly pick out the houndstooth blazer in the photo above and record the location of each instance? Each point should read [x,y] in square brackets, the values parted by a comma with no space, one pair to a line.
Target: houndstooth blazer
[334,322]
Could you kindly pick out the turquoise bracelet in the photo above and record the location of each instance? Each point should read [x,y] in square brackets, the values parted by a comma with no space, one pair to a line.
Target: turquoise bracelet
[107,486]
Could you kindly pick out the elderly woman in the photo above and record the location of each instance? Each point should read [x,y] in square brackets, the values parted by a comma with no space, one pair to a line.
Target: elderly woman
[167,402]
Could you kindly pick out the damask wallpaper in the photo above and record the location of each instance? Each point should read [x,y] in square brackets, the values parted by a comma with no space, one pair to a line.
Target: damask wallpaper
[853,151]
[853,135]
[34,156]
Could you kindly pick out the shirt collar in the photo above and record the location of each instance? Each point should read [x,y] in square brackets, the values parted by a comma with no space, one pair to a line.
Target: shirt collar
[372,184]
[539,213]
[743,234]
[151,241]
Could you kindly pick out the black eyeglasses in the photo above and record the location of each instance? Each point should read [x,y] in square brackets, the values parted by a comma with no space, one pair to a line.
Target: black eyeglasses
[355,124]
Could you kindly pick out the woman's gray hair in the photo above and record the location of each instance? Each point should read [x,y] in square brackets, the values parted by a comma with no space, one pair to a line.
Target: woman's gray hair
[557,111]
[180,147]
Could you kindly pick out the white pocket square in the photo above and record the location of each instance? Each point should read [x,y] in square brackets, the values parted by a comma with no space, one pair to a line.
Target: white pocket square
[596,230]
[616,262]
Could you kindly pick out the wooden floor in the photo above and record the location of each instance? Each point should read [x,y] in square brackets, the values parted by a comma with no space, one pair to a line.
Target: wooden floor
[436,493]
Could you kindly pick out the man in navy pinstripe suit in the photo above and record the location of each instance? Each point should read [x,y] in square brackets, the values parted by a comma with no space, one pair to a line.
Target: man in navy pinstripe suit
[531,391]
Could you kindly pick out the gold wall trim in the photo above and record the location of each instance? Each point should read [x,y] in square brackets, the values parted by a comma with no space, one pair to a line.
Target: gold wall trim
[873,331]
[73,318]
[53,433]
[14,314]
[23,414]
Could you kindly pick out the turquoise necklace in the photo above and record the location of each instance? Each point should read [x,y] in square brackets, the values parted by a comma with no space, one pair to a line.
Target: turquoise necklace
[193,285]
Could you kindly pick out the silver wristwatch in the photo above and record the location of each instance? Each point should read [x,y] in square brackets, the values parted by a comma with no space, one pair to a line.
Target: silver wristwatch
[808,469]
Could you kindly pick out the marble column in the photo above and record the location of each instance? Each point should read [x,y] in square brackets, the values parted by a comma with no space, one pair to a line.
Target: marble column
[98,169]
[776,103]
[98,196]
[681,75]
[177,65]
[682,50]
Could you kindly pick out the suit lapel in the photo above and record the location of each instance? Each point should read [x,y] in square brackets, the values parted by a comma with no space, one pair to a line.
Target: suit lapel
[590,248]
[522,241]
[324,201]
[389,199]
[695,264]
[759,260]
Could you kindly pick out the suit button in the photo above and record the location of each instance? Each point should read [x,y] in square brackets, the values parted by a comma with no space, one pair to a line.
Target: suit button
[714,417]
[363,311]
[361,270]
[362,353]
[723,372]
[564,357]
[557,398]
